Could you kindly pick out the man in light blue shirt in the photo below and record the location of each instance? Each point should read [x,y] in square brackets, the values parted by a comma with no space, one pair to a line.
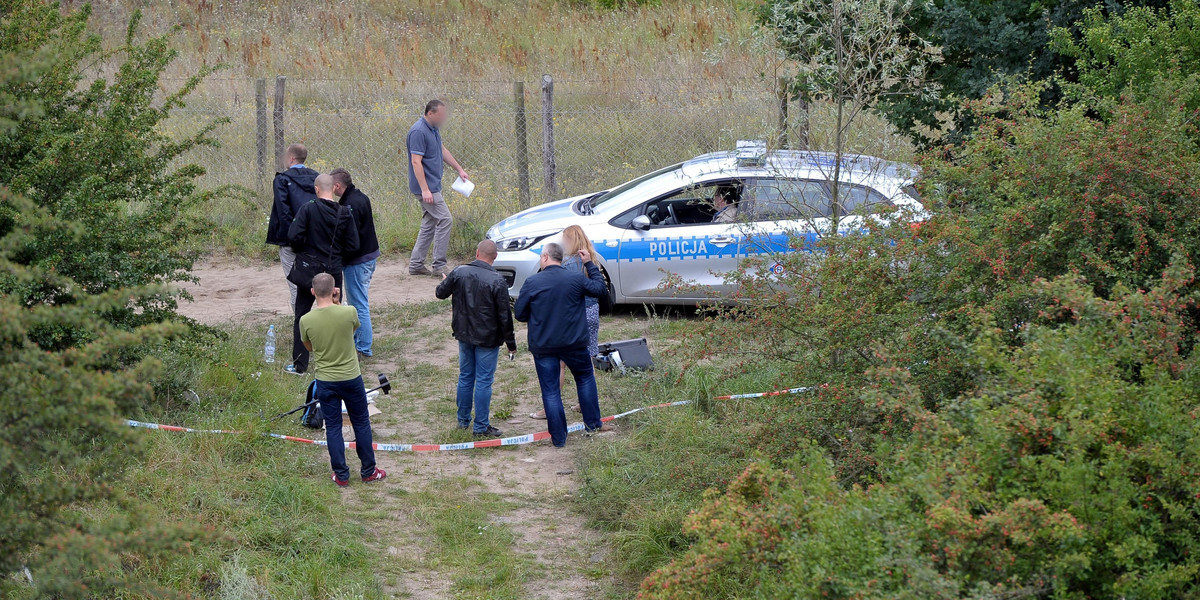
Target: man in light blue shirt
[426,155]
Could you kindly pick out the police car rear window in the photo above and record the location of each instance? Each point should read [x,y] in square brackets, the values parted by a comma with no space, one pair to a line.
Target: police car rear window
[781,199]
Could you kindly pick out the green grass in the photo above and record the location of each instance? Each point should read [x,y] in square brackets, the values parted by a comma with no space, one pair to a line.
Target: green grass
[465,535]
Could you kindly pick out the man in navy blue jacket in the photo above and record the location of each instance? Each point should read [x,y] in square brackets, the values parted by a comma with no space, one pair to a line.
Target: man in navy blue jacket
[293,188]
[552,303]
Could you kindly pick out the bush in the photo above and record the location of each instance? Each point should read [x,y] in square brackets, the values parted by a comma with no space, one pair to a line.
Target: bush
[92,154]
[82,261]
[1010,386]
[1049,480]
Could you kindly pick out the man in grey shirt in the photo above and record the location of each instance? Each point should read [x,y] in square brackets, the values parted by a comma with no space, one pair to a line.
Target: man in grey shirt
[426,154]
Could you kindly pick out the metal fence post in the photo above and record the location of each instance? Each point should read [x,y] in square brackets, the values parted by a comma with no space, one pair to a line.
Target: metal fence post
[548,165]
[521,132]
[260,126]
[782,91]
[279,82]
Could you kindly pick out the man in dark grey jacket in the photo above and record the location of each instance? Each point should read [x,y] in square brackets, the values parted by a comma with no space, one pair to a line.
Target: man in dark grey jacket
[322,232]
[481,321]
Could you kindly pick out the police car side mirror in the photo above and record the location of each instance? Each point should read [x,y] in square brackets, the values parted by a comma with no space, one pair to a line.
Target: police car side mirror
[641,222]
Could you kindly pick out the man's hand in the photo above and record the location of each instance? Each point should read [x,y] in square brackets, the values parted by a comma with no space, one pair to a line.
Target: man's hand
[585,256]
[427,196]
[463,173]
[337,295]
[443,275]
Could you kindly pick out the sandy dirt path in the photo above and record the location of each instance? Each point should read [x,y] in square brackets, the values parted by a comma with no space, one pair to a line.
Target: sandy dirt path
[563,559]
[229,291]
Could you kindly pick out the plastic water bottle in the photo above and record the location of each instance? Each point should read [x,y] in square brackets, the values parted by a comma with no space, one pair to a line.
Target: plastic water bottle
[269,348]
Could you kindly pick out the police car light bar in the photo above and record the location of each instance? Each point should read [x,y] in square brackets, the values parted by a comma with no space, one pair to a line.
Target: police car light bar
[751,153]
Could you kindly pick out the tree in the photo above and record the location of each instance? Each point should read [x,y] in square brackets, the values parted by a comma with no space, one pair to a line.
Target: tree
[97,156]
[854,54]
[985,44]
[1068,472]
[81,267]
[1135,53]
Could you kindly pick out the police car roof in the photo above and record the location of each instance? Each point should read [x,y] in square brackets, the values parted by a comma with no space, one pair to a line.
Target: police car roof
[800,163]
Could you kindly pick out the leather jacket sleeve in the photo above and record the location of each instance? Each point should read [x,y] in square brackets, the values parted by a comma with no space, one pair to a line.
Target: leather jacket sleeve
[504,313]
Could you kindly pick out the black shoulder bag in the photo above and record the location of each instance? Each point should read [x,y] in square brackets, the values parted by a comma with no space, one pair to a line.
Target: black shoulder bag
[306,269]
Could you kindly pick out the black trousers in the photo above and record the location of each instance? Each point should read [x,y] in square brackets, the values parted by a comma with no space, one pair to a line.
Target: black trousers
[304,303]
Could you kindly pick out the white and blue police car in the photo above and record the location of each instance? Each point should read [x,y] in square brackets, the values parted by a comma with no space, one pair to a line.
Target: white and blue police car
[699,219]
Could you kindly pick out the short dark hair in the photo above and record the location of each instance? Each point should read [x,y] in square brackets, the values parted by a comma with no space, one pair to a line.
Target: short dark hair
[553,251]
[298,152]
[731,193]
[342,176]
[433,105]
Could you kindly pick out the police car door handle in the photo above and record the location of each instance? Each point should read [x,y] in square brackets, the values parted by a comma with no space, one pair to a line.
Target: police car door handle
[723,240]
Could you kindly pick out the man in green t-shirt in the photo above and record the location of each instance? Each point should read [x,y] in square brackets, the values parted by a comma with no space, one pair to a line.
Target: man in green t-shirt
[328,333]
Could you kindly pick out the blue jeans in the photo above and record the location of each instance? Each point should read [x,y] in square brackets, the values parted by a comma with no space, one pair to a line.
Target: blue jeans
[580,365]
[476,370]
[351,391]
[358,283]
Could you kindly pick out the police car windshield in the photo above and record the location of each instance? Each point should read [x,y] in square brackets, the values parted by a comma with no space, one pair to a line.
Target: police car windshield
[619,191]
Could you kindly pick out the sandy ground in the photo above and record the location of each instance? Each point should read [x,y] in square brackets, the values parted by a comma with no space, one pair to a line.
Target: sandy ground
[537,480]
[229,291]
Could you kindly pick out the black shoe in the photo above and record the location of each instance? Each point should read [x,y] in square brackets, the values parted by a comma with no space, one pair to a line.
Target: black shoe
[490,432]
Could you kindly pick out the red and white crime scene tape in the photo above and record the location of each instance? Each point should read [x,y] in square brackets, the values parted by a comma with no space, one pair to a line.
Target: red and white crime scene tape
[796,390]
[518,440]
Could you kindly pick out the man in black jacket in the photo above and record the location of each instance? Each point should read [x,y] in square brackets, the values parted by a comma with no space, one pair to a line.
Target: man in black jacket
[322,232]
[552,302]
[293,189]
[358,266]
[481,321]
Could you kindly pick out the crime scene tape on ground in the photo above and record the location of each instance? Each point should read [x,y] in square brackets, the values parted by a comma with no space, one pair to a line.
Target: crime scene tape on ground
[797,390]
[518,440]
[508,441]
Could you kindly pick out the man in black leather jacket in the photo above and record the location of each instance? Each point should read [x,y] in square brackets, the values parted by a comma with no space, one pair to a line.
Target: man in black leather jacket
[481,321]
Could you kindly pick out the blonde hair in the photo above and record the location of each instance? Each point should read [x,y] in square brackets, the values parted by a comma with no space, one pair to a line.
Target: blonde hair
[574,240]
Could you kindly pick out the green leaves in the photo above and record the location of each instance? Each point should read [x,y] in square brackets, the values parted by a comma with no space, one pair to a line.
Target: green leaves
[92,226]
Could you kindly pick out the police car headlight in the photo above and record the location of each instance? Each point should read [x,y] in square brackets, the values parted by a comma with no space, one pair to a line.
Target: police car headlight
[523,242]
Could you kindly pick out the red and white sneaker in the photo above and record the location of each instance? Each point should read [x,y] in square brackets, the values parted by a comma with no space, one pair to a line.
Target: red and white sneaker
[376,476]
[341,482]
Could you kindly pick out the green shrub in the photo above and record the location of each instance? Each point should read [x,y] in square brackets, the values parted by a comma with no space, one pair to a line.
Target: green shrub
[93,155]
[1068,473]
[1134,53]
[83,260]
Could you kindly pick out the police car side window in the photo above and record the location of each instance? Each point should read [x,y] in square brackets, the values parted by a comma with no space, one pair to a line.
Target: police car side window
[786,199]
[857,199]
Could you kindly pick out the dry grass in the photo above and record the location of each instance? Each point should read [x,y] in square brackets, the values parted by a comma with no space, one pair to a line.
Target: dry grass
[452,39]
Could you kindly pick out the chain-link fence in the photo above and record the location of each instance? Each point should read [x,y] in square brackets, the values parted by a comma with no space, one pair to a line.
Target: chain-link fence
[602,133]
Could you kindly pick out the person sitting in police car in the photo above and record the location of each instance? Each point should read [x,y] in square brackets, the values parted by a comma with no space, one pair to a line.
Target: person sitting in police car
[725,201]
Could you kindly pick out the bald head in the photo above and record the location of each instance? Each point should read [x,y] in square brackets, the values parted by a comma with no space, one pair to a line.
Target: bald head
[322,286]
[324,185]
[486,251]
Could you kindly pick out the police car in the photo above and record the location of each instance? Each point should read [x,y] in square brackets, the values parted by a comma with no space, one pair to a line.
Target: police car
[701,218]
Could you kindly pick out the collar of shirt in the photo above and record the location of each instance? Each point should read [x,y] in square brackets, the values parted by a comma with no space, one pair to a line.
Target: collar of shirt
[299,166]
[428,124]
